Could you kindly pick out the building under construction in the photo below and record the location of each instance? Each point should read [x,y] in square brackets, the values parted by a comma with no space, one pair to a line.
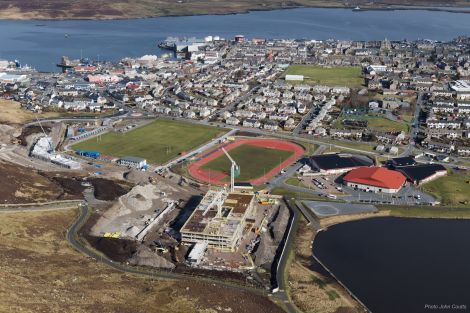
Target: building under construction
[219,219]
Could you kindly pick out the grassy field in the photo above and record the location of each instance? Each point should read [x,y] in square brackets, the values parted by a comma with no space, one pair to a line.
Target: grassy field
[12,113]
[311,291]
[253,161]
[347,144]
[336,76]
[294,181]
[427,211]
[41,272]
[451,190]
[294,194]
[158,142]
[385,125]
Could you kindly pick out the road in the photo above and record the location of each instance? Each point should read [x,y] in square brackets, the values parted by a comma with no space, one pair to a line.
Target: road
[118,114]
[414,127]
[73,237]
[303,123]
[282,263]
[205,147]
[75,240]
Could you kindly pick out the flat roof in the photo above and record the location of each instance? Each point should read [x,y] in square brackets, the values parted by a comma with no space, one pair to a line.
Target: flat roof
[206,218]
[238,202]
[132,159]
[340,161]
[403,161]
[420,172]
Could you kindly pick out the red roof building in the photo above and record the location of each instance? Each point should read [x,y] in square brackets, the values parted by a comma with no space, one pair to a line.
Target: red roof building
[375,179]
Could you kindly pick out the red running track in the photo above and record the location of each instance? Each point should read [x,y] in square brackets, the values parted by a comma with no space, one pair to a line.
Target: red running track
[213,177]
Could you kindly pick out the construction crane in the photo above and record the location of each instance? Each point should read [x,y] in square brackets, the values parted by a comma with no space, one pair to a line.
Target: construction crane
[234,170]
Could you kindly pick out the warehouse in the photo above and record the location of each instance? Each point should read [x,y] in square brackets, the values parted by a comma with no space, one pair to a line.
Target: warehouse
[375,179]
[338,163]
[219,220]
[424,173]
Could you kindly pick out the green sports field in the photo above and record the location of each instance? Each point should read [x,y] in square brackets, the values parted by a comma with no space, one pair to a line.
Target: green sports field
[335,76]
[254,161]
[158,142]
[451,190]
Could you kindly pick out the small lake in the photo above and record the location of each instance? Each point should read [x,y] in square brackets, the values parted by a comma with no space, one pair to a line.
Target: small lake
[400,265]
[42,43]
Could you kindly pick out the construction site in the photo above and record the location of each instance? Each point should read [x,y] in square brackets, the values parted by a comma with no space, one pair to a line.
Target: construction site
[181,227]
[143,218]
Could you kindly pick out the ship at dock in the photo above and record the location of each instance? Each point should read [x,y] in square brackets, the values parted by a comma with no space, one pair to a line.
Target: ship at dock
[182,47]
[169,43]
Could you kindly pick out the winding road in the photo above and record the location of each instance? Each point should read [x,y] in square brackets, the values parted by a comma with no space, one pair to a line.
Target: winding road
[77,242]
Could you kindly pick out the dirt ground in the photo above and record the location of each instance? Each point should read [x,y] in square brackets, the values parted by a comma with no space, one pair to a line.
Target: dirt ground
[40,272]
[31,130]
[312,290]
[23,185]
[332,220]
[107,190]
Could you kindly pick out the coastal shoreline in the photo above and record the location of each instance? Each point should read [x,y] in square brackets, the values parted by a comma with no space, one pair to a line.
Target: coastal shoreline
[327,222]
[454,9]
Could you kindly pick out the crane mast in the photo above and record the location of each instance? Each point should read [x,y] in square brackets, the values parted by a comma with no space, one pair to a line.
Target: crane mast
[234,170]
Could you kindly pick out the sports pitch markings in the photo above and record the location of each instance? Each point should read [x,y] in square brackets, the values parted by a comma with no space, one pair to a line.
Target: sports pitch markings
[259,159]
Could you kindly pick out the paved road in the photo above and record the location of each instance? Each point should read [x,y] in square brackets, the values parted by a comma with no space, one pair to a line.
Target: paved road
[207,146]
[39,208]
[408,195]
[74,239]
[281,294]
[278,180]
[77,118]
[323,208]
[303,123]
[414,127]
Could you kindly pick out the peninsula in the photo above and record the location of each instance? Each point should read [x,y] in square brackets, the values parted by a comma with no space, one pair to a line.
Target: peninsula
[109,9]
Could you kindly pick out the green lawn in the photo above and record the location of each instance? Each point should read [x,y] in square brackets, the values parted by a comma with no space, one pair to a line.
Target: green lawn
[385,125]
[254,161]
[364,146]
[294,181]
[427,211]
[294,194]
[158,142]
[451,190]
[336,76]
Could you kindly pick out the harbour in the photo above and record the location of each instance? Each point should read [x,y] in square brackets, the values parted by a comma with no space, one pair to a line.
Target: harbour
[41,45]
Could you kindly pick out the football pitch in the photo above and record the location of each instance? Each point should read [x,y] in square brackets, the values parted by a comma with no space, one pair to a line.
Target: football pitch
[254,161]
[158,142]
[335,76]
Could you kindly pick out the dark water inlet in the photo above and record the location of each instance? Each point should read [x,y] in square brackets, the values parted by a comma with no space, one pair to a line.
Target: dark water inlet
[401,265]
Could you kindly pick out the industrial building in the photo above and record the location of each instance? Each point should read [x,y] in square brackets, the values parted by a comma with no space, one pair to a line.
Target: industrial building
[7,78]
[337,163]
[219,219]
[375,179]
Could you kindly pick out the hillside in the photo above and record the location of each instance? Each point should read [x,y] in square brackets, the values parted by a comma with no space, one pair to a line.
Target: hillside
[113,9]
